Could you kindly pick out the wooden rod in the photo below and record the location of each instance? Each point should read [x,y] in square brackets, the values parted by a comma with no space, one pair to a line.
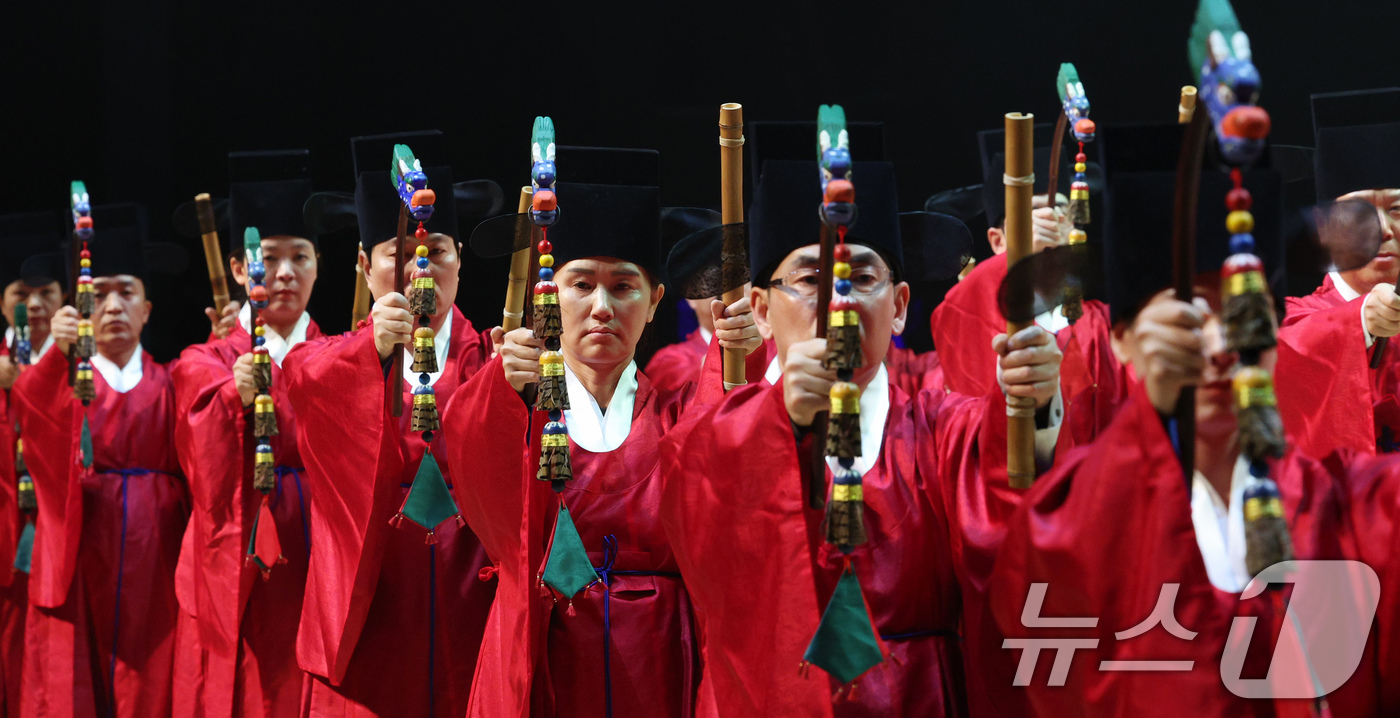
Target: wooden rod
[1020,169]
[514,312]
[731,172]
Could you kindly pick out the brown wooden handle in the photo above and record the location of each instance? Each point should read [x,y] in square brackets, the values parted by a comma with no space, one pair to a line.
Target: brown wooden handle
[359,311]
[209,232]
[1378,351]
[514,312]
[1020,169]
[394,382]
[1185,202]
[731,175]
[1187,108]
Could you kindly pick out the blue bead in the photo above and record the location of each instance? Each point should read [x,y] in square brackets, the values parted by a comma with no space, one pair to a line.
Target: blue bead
[425,389]
[554,415]
[1242,244]
[424,379]
[86,272]
[259,340]
[843,286]
[546,274]
[422,262]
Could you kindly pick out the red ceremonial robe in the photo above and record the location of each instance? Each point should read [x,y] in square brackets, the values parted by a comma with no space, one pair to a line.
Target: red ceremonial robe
[14,584]
[760,573]
[1120,510]
[914,372]
[638,615]
[101,627]
[390,626]
[675,364]
[238,654]
[1093,382]
[1328,395]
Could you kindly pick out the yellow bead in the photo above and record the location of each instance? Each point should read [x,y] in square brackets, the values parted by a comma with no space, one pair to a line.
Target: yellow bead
[421,250]
[1078,236]
[841,270]
[85,262]
[1080,167]
[1239,222]
[546,260]
[259,331]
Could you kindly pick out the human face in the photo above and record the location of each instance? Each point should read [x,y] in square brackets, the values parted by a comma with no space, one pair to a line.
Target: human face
[605,304]
[291,268]
[787,316]
[121,313]
[42,302]
[1385,268]
[444,262]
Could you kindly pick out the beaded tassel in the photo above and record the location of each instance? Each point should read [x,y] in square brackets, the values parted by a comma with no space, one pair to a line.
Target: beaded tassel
[423,302]
[26,501]
[22,348]
[845,522]
[264,468]
[1073,307]
[1250,329]
[552,393]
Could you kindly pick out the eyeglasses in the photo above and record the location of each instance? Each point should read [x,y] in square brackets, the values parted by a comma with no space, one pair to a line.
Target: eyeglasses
[804,282]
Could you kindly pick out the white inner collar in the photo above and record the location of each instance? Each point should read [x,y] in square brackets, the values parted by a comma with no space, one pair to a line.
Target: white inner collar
[1220,529]
[1053,321]
[1343,288]
[874,409]
[440,345]
[589,426]
[277,345]
[120,379]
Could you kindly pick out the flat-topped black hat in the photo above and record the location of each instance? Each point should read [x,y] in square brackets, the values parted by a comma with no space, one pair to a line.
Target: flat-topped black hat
[1139,205]
[121,244]
[27,235]
[787,193]
[609,206]
[1357,136]
[374,207]
[267,190]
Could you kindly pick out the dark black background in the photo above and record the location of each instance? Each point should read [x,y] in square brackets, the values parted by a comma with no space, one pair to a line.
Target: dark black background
[143,100]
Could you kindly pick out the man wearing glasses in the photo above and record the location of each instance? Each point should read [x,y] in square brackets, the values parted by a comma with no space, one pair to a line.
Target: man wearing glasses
[932,466]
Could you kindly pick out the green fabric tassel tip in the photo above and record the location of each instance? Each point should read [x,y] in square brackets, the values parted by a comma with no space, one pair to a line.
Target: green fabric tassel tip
[568,570]
[429,503]
[85,444]
[26,548]
[846,645]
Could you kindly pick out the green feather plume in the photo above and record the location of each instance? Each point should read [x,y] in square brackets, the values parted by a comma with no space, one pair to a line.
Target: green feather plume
[1068,76]
[78,192]
[831,129]
[1211,16]
[403,162]
[252,244]
[542,140]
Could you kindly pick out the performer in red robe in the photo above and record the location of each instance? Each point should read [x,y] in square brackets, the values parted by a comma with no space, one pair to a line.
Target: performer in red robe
[934,482]
[238,640]
[1092,379]
[33,285]
[1329,337]
[1121,507]
[625,645]
[674,365]
[390,625]
[101,627]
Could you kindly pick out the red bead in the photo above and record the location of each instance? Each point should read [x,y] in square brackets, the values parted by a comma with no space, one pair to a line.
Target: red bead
[839,190]
[1241,263]
[420,234]
[1247,121]
[544,246]
[841,303]
[258,294]
[841,253]
[1238,200]
[546,288]
[1081,157]
[260,321]
[85,254]
[544,201]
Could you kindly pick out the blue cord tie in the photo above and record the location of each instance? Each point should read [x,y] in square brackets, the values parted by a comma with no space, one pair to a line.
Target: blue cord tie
[605,574]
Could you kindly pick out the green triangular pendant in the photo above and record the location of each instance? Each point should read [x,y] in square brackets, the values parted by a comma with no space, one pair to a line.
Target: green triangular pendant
[845,645]
[428,503]
[85,444]
[26,548]
[568,570]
